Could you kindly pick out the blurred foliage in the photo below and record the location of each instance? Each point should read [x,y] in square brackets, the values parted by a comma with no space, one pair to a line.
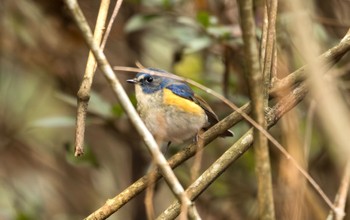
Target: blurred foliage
[42,61]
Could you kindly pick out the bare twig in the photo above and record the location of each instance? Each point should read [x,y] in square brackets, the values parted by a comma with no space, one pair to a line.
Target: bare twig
[149,196]
[340,199]
[110,23]
[270,49]
[83,94]
[117,88]
[264,36]
[259,84]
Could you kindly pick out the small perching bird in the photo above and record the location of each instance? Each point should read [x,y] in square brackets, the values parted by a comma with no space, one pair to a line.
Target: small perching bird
[170,109]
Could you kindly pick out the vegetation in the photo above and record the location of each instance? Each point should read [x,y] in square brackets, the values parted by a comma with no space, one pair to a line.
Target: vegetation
[284,63]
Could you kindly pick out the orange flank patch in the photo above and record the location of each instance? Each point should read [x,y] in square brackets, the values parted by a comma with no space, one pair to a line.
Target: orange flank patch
[169,98]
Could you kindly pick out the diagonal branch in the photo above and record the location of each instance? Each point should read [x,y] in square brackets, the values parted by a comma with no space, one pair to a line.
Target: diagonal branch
[110,23]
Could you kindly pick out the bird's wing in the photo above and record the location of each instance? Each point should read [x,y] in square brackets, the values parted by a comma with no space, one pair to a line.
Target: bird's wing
[182,90]
[186,92]
[212,117]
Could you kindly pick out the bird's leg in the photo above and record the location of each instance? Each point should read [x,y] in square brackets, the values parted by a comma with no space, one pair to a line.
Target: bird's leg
[198,156]
[198,139]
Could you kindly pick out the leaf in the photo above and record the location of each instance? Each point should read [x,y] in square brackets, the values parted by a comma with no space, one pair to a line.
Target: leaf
[117,110]
[220,31]
[99,106]
[203,18]
[198,44]
[88,158]
[54,121]
[139,22]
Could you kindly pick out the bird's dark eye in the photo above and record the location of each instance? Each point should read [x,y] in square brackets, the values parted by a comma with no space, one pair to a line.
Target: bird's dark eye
[149,79]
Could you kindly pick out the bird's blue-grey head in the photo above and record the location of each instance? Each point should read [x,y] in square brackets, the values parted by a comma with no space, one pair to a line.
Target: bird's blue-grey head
[151,83]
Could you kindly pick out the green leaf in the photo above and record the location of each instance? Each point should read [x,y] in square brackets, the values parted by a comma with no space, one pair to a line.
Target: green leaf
[139,22]
[24,216]
[99,106]
[88,158]
[220,31]
[54,121]
[198,44]
[117,110]
[203,18]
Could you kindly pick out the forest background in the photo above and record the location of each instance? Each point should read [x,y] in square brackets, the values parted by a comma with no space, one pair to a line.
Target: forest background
[42,63]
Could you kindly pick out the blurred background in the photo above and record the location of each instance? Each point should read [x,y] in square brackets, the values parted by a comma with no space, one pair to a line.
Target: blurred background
[42,61]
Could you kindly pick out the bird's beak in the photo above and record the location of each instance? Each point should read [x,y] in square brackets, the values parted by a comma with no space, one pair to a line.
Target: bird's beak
[133,81]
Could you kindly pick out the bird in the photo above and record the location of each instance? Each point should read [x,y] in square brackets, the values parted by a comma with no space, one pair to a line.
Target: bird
[170,109]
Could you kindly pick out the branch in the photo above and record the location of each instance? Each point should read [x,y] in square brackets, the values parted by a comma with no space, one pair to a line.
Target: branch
[270,55]
[340,199]
[83,94]
[110,23]
[259,84]
[123,98]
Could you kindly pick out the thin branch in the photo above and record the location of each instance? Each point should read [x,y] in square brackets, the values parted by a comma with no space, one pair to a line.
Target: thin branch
[149,197]
[83,94]
[123,98]
[340,199]
[274,64]
[110,23]
[270,48]
[264,36]
[259,84]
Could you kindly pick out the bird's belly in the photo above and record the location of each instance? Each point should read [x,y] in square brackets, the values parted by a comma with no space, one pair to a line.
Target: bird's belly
[173,124]
[184,125]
